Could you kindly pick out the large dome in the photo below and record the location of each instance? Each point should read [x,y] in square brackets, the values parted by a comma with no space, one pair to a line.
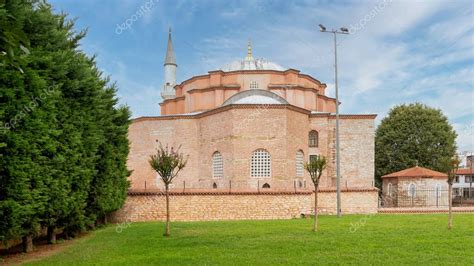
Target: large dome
[250,63]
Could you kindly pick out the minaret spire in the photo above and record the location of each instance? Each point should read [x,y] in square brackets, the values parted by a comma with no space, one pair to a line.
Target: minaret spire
[249,51]
[170,59]
[168,91]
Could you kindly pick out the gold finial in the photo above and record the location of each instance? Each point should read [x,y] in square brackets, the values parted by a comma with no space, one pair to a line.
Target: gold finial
[249,50]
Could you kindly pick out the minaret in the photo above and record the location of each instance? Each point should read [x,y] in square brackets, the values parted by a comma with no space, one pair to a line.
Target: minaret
[168,91]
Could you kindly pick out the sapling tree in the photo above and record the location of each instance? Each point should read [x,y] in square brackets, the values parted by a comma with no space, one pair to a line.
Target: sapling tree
[315,168]
[167,162]
[450,166]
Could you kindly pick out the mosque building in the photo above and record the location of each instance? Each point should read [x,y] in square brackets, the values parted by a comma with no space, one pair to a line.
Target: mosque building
[249,127]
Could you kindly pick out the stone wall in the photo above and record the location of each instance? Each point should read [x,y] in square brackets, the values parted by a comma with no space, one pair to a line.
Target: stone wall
[203,206]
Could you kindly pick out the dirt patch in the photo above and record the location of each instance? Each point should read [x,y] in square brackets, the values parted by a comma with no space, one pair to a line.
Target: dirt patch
[15,256]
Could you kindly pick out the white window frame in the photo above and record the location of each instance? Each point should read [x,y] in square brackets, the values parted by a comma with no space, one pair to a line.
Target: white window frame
[261,164]
[217,165]
[299,163]
[410,192]
[438,190]
[313,133]
[390,189]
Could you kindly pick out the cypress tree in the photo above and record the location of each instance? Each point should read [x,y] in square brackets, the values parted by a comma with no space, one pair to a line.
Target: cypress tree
[27,113]
[63,143]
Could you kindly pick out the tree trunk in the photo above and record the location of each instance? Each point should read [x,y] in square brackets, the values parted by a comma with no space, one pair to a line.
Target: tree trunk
[315,225]
[450,204]
[51,235]
[27,243]
[167,228]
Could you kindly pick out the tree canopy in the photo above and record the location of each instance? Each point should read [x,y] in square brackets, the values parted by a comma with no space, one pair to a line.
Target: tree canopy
[413,134]
[63,137]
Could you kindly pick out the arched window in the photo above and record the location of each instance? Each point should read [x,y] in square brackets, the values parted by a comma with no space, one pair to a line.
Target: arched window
[299,163]
[438,190]
[260,165]
[266,185]
[390,189]
[313,138]
[217,165]
[412,190]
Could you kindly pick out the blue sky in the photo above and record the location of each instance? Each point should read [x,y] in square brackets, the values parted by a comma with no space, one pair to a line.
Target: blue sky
[397,52]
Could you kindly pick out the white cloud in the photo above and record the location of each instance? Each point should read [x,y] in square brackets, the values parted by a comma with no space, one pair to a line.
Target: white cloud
[408,51]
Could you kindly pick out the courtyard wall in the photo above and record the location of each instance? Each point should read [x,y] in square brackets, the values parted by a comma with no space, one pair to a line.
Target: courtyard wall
[208,206]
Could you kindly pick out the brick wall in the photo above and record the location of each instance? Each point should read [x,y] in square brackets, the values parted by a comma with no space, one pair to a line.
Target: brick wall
[238,131]
[241,206]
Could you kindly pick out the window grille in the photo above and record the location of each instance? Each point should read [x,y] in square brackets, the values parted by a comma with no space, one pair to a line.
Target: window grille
[260,164]
[299,163]
[217,165]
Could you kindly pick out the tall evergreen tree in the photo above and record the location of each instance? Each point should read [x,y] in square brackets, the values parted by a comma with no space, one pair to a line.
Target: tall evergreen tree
[27,113]
[63,142]
[109,186]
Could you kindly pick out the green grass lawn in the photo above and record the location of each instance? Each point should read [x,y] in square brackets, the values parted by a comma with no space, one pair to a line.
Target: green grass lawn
[383,239]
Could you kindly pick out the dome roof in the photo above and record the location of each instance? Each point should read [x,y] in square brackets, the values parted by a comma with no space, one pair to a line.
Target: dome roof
[250,63]
[255,96]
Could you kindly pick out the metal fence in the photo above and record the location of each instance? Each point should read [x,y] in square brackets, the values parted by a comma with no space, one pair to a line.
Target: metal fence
[220,185]
[248,185]
[426,198]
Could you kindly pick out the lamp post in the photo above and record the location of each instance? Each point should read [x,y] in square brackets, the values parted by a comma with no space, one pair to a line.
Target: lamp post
[338,161]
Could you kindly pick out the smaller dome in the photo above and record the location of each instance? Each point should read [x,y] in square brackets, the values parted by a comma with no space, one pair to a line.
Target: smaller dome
[255,96]
[257,99]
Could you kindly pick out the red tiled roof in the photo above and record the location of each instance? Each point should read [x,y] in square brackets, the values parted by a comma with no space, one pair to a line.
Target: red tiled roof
[416,172]
[465,171]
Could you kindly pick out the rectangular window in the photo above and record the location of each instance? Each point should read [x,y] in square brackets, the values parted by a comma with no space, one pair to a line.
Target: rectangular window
[313,158]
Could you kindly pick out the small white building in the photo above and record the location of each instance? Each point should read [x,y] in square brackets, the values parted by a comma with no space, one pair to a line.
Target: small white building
[415,187]
[463,186]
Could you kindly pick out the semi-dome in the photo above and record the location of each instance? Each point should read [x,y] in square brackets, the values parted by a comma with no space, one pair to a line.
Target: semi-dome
[255,96]
[251,63]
